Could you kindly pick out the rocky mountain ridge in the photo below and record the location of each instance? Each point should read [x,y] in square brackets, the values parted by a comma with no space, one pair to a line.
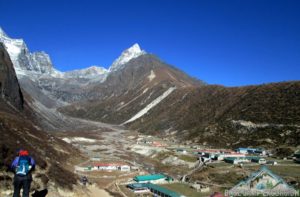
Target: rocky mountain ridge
[39,63]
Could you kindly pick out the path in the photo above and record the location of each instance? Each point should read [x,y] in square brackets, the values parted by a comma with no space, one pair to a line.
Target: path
[198,167]
[96,192]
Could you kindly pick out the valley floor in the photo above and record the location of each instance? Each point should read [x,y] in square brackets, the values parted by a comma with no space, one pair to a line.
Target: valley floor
[110,148]
[111,144]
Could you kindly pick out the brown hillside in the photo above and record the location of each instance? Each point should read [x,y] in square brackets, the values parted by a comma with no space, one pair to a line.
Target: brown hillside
[212,114]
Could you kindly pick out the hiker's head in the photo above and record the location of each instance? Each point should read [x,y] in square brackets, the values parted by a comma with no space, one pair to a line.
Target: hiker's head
[23,153]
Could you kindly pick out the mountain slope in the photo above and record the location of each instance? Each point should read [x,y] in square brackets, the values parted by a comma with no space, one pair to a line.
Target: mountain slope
[131,89]
[17,131]
[266,115]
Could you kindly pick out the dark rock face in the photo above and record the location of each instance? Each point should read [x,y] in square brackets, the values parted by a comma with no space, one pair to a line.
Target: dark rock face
[9,87]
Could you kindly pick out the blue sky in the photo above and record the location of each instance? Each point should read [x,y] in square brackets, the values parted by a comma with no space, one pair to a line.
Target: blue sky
[221,42]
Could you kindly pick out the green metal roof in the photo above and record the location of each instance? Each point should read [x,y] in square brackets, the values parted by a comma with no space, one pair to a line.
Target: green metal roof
[230,158]
[253,157]
[149,177]
[162,190]
[297,154]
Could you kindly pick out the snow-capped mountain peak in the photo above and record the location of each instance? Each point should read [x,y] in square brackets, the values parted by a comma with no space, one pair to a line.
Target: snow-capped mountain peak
[89,72]
[23,60]
[134,49]
[38,64]
[133,52]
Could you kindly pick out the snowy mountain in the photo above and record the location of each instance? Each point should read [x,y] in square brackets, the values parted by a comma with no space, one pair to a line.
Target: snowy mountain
[127,55]
[91,72]
[39,63]
[133,75]
[24,61]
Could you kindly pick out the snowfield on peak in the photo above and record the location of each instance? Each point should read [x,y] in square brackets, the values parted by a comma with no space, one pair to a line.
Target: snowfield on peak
[90,72]
[39,64]
[13,49]
[127,55]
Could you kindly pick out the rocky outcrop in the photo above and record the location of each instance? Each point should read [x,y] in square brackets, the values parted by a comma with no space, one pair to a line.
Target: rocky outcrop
[9,87]
[41,62]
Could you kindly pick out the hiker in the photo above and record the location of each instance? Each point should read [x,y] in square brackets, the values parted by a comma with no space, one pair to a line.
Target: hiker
[22,166]
[84,180]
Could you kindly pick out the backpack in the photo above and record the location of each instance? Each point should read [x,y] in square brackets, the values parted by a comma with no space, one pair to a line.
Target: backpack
[23,166]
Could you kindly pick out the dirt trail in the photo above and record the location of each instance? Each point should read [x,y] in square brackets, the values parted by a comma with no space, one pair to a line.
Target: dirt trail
[96,192]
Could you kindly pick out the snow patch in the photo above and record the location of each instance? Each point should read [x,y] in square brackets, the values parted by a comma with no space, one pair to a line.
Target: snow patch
[78,139]
[151,105]
[91,72]
[145,90]
[127,55]
[151,76]
[249,124]
[12,49]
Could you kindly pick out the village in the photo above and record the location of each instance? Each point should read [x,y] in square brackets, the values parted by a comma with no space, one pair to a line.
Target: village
[144,165]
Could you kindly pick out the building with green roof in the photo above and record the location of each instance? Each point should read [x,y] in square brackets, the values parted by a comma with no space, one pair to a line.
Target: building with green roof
[297,156]
[138,188]
[161,191]
[151,178]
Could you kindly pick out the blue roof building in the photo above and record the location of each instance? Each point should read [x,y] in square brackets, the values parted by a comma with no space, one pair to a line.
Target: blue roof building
[246,150]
